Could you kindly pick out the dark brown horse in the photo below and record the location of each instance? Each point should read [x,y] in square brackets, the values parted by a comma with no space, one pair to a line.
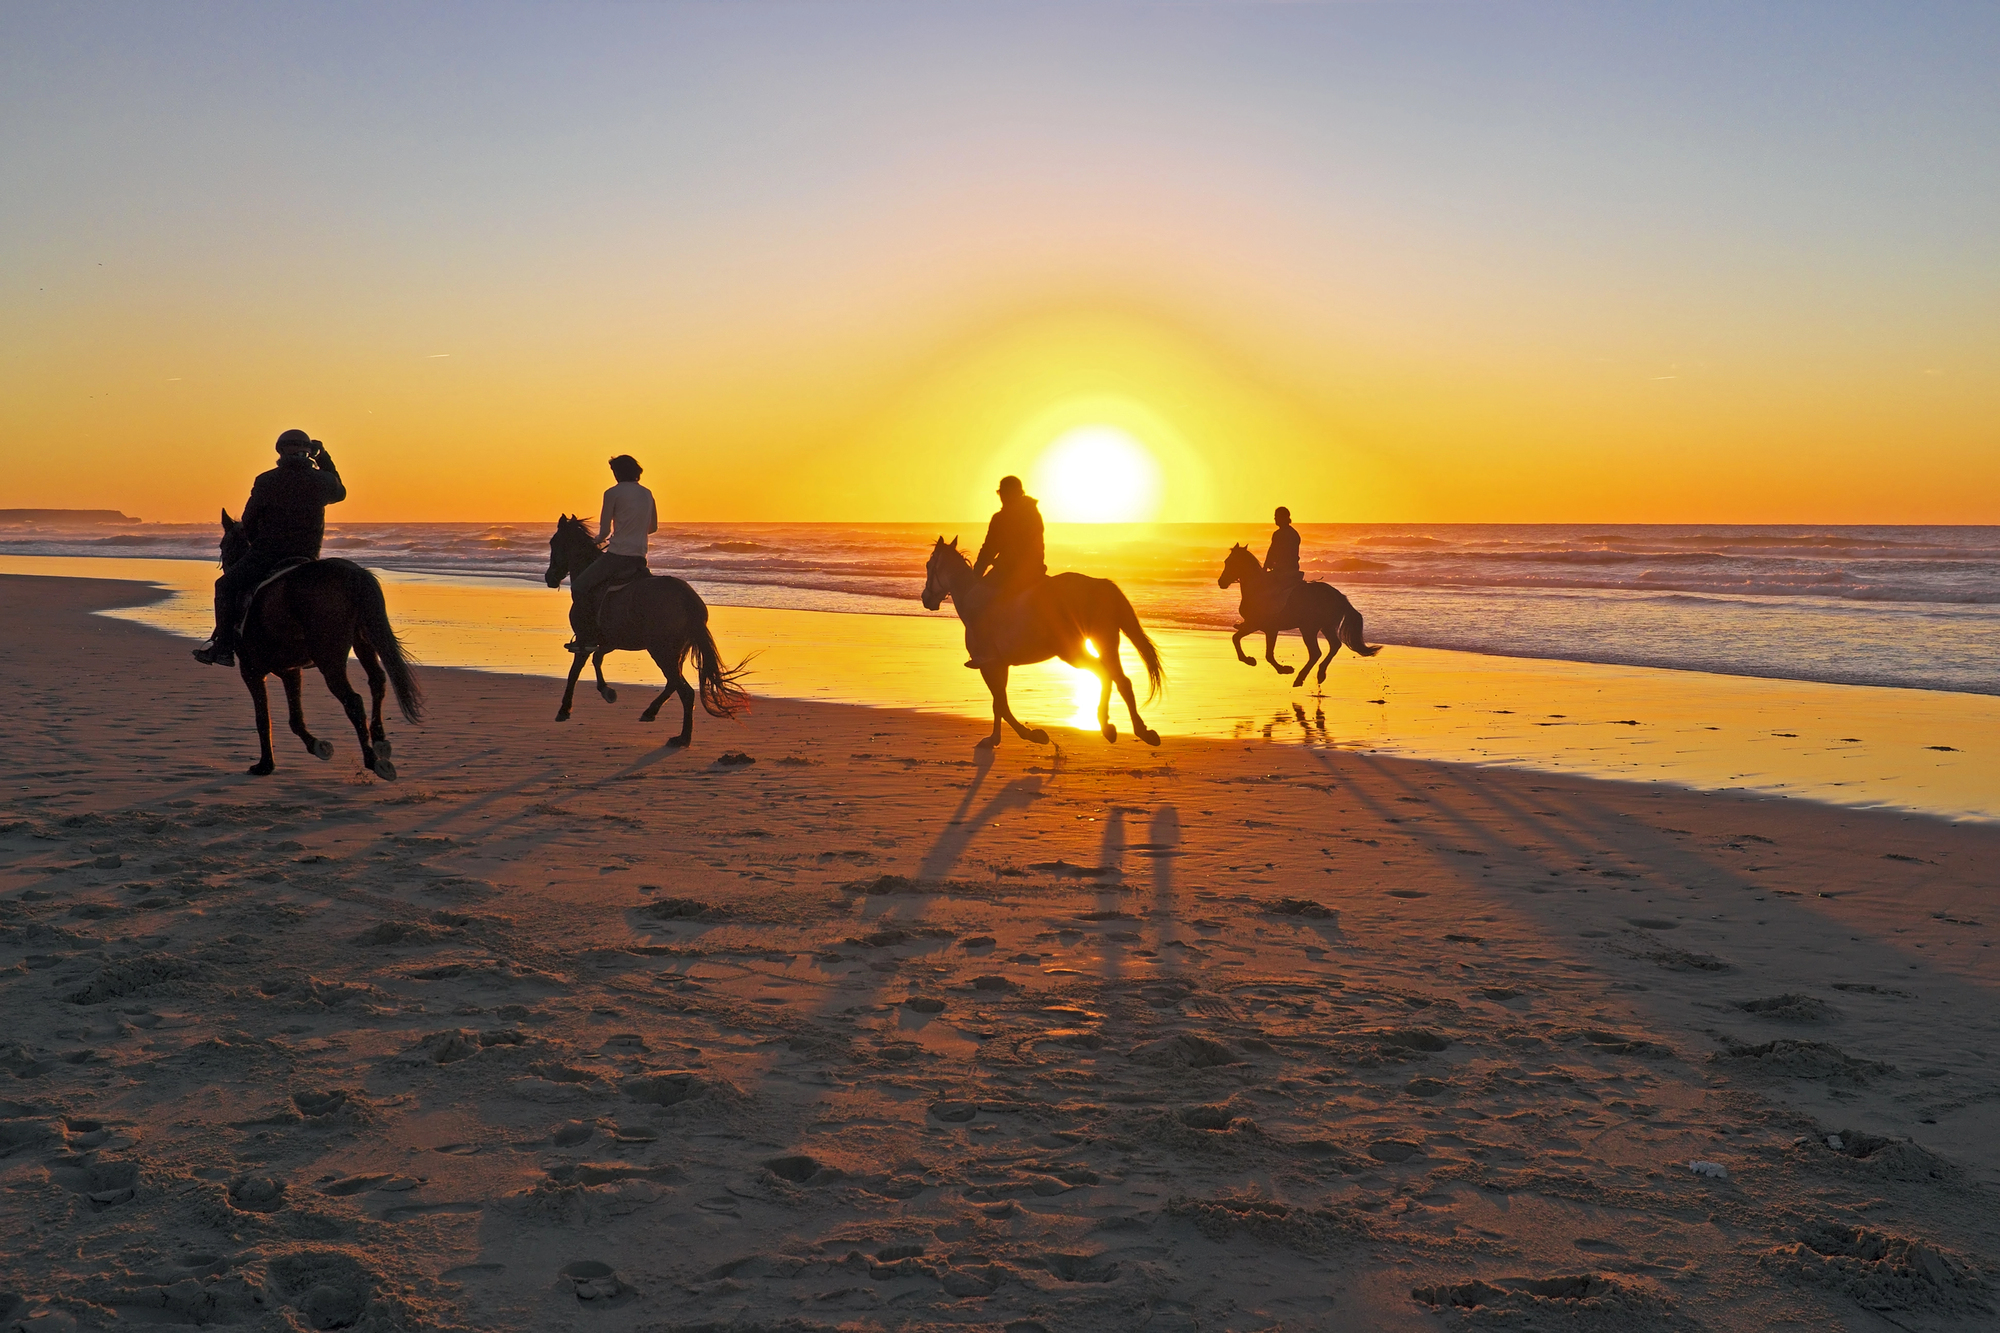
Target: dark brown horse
[315,616]
[1071,616]
[657,614]
[1312,609]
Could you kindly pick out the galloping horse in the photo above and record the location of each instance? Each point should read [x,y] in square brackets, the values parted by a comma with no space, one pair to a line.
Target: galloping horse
[658,614]
[1070,616]
[314,616]
[1312,609]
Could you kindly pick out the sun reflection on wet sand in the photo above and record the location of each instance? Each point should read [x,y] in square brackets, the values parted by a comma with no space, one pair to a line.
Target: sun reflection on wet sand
[1919,750]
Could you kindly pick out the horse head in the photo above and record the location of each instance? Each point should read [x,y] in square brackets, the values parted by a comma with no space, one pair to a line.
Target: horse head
[946,562]
[234,541]
[562,549]
[1239,564]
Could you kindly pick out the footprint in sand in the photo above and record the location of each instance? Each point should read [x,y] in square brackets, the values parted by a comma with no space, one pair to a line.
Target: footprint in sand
[257,1194]
[594,1282]
[572,1132]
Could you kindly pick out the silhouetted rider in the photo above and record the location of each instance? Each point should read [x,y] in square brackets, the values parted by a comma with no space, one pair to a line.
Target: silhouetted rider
[1282,559]
[285,519]
[629,516]
[1012,556]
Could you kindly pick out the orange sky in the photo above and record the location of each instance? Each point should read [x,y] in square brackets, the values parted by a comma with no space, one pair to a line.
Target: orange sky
[853,265]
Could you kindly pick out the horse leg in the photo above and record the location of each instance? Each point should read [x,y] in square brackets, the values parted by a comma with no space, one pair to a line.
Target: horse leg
[295,706]
[1332,648]
[1104,702]
[610,695]
[1236,642]
[996,684]
[378,685]
[334,670]
[1117,669]
[569,689]
[1310,633]
[676,684]
[1271,650]
[253,681]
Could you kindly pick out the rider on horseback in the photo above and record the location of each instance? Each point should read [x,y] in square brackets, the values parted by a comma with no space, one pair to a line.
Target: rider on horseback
[285,520]
[1281,561]
[1010,560]
[628,518]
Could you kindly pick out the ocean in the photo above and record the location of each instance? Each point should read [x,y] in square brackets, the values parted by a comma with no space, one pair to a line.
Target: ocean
[1916,607]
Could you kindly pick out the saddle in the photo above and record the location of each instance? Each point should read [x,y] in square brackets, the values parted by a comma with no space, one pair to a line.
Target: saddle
[288,565]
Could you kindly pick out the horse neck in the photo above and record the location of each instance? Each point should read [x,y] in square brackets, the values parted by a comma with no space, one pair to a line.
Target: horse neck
[582,551]
[1250,576]
[964,584]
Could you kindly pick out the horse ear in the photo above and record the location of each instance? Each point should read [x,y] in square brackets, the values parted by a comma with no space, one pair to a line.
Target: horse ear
[954,543]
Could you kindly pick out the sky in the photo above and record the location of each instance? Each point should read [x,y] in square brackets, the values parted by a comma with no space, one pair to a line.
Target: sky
[1380,262]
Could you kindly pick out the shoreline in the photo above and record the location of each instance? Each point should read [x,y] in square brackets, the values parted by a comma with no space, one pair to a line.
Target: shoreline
[1860,747]
[878,1027]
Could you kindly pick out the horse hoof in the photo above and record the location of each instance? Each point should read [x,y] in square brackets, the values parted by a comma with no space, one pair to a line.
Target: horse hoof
[322,749]
[1151,738]
[1110,732]
[563,716]
[988,743]
[263,768]
[385,770]
[679,742]
[610,695]
[1038,736]
[381,747]
[648,717]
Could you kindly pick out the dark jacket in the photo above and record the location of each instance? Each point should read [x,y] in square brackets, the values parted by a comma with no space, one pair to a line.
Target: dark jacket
[1013,546]
[1283,557]
[286,513]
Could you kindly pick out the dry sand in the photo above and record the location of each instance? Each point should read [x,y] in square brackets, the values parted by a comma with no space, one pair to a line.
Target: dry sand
[566,1030]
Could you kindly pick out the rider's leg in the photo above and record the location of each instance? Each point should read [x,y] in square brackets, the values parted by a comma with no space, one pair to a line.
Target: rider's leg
[583,591]
[237,583]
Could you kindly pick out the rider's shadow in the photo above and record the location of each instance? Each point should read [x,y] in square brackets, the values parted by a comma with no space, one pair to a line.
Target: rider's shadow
[963,827]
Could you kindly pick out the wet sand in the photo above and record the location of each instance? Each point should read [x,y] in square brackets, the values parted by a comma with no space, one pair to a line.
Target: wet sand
[1921,751]
[565,1029]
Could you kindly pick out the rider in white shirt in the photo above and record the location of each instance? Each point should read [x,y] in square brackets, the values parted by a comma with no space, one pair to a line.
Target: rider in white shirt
[628,518]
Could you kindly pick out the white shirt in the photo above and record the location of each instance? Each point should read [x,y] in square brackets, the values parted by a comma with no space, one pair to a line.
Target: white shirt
[628,516]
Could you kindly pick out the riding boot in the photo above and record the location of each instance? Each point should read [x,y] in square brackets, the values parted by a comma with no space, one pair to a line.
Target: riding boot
[220,650]
[584,617]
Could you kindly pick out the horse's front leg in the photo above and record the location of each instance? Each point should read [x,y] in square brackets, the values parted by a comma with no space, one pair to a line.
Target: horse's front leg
[1236,642]
[1311,635]
[1271,650]
[569,689]
[295,706]
[996,684]
[609,695]
[253,680]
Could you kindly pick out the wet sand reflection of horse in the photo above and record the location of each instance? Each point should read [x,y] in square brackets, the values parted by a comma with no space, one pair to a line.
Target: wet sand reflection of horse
[1069,616]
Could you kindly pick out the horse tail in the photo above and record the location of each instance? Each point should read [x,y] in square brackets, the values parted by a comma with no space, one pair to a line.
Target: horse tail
[722,693]
[1128,623]
[381,636]
[1350,633]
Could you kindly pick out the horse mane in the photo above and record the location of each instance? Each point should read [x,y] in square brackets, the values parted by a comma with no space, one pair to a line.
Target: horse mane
[577,521]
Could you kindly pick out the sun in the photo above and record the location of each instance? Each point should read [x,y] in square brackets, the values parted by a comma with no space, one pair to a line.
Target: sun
[1096,474]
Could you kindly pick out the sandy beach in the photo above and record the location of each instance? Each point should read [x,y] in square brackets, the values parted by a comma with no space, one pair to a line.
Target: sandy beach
[873,1030]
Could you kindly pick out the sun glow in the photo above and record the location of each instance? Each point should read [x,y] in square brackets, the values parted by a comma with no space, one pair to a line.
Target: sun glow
[1096,474]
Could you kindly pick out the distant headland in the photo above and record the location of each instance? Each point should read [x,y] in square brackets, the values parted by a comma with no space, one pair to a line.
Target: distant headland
[64,516]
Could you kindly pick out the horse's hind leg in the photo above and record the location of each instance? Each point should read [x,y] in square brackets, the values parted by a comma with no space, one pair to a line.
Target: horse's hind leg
[1310,633]
[253,681]
[378,686]
[1104,704]
[334,669]
[295,706]
[1332,649]
[1116,671]
[670,667]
